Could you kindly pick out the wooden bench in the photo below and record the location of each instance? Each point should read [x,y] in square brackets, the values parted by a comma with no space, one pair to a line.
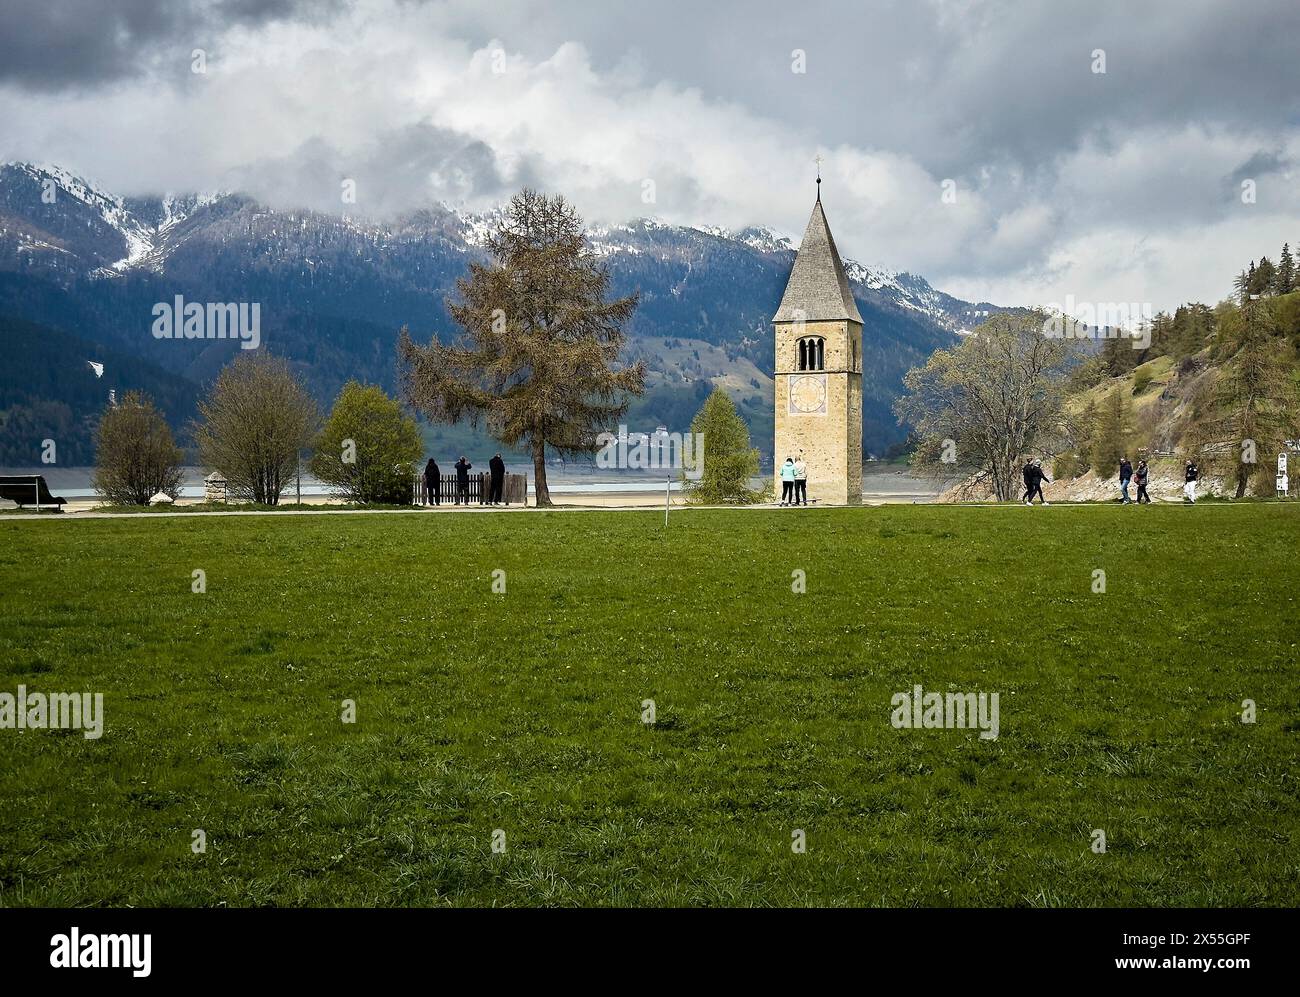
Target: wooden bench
[28,489]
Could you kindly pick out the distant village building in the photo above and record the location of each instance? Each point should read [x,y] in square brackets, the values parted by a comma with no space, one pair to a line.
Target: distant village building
[819,370]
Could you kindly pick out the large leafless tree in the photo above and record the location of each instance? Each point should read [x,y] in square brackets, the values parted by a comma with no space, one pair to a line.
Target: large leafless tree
[254,423]
[983,406]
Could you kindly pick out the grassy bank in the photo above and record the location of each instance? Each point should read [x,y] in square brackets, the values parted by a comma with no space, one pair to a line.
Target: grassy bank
[522,711]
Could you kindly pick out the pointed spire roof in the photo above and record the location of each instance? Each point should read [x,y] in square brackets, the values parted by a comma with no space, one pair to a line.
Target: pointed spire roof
[818,289]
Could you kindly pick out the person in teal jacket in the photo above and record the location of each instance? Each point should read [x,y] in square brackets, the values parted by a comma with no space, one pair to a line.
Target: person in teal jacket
[787,481]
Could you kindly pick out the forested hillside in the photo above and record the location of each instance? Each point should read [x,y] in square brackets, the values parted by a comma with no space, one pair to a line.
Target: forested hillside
[1217,382]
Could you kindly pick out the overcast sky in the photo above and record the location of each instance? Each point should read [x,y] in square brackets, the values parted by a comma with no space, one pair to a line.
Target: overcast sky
[1117,186]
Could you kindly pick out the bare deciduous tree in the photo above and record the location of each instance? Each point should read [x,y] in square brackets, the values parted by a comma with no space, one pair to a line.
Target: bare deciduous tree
[135,454]
[980,408]
[254,423]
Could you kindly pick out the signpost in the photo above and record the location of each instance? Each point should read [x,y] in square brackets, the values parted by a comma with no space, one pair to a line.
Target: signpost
[1283,483]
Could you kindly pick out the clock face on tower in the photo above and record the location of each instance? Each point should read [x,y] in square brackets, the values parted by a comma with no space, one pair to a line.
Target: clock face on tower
[808,394]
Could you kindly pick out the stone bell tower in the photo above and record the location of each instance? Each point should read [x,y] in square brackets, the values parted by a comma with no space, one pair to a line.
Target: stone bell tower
[819,370]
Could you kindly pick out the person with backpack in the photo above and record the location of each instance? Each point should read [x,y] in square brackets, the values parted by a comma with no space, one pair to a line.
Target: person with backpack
[787,482]
[1141,476]
[1190,477]
[1125,476]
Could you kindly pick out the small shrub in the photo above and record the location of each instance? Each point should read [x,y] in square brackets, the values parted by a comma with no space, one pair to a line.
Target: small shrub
[368,447]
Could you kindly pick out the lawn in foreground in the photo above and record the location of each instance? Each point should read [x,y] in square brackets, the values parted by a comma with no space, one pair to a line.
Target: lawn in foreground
[476,711]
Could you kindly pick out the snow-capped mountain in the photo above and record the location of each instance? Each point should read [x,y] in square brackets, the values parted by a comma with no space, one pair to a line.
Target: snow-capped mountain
[904,290]
[334,289]
[150,230]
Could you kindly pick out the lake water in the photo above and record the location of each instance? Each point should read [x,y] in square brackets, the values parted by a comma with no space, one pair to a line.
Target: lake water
[883,485]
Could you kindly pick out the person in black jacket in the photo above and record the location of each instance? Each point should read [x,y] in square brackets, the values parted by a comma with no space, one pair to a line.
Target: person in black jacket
[1027,472]
[1036,478]
[498,469]
[432,483]
[1125,476]
[1190,477]
[462,480]
[1143,473]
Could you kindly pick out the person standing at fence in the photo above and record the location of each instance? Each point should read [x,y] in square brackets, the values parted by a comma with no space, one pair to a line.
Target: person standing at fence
[432,483]
[462,480]
[498,467]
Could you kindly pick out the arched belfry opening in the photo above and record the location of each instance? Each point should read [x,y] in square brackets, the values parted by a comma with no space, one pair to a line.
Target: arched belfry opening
[812,353]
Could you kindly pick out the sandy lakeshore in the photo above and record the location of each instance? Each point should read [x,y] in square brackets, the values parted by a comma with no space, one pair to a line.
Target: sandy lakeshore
[568,489]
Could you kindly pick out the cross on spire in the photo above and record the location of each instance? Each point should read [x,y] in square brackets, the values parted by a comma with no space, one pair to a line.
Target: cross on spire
[818,161]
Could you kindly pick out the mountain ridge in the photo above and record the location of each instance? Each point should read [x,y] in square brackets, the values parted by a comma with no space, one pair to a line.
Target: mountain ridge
[335,288]
[127,214]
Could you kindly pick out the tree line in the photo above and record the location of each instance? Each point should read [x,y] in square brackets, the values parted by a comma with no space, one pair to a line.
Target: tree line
[254,427]
[537,360]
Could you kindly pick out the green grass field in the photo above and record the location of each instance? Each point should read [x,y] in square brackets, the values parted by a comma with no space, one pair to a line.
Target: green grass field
[522,712]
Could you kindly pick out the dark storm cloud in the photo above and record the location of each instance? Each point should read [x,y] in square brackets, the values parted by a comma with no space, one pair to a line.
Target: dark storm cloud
[1262,163]
[1065,176]
[955,85]
[52,45]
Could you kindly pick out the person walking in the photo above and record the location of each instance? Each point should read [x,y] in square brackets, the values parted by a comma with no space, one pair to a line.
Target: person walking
[800,481]
[1190,477]
[432,483]
[1027,472]
[1125,476]
[498,468]
[462,480]
[1037,477]
[1141,476]
[787,482]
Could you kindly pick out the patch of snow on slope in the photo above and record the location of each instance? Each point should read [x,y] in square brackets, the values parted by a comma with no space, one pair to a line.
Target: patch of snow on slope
[764,240]
[138,237]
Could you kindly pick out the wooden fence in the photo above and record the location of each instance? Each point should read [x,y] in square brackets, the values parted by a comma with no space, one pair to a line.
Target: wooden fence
[514,490]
